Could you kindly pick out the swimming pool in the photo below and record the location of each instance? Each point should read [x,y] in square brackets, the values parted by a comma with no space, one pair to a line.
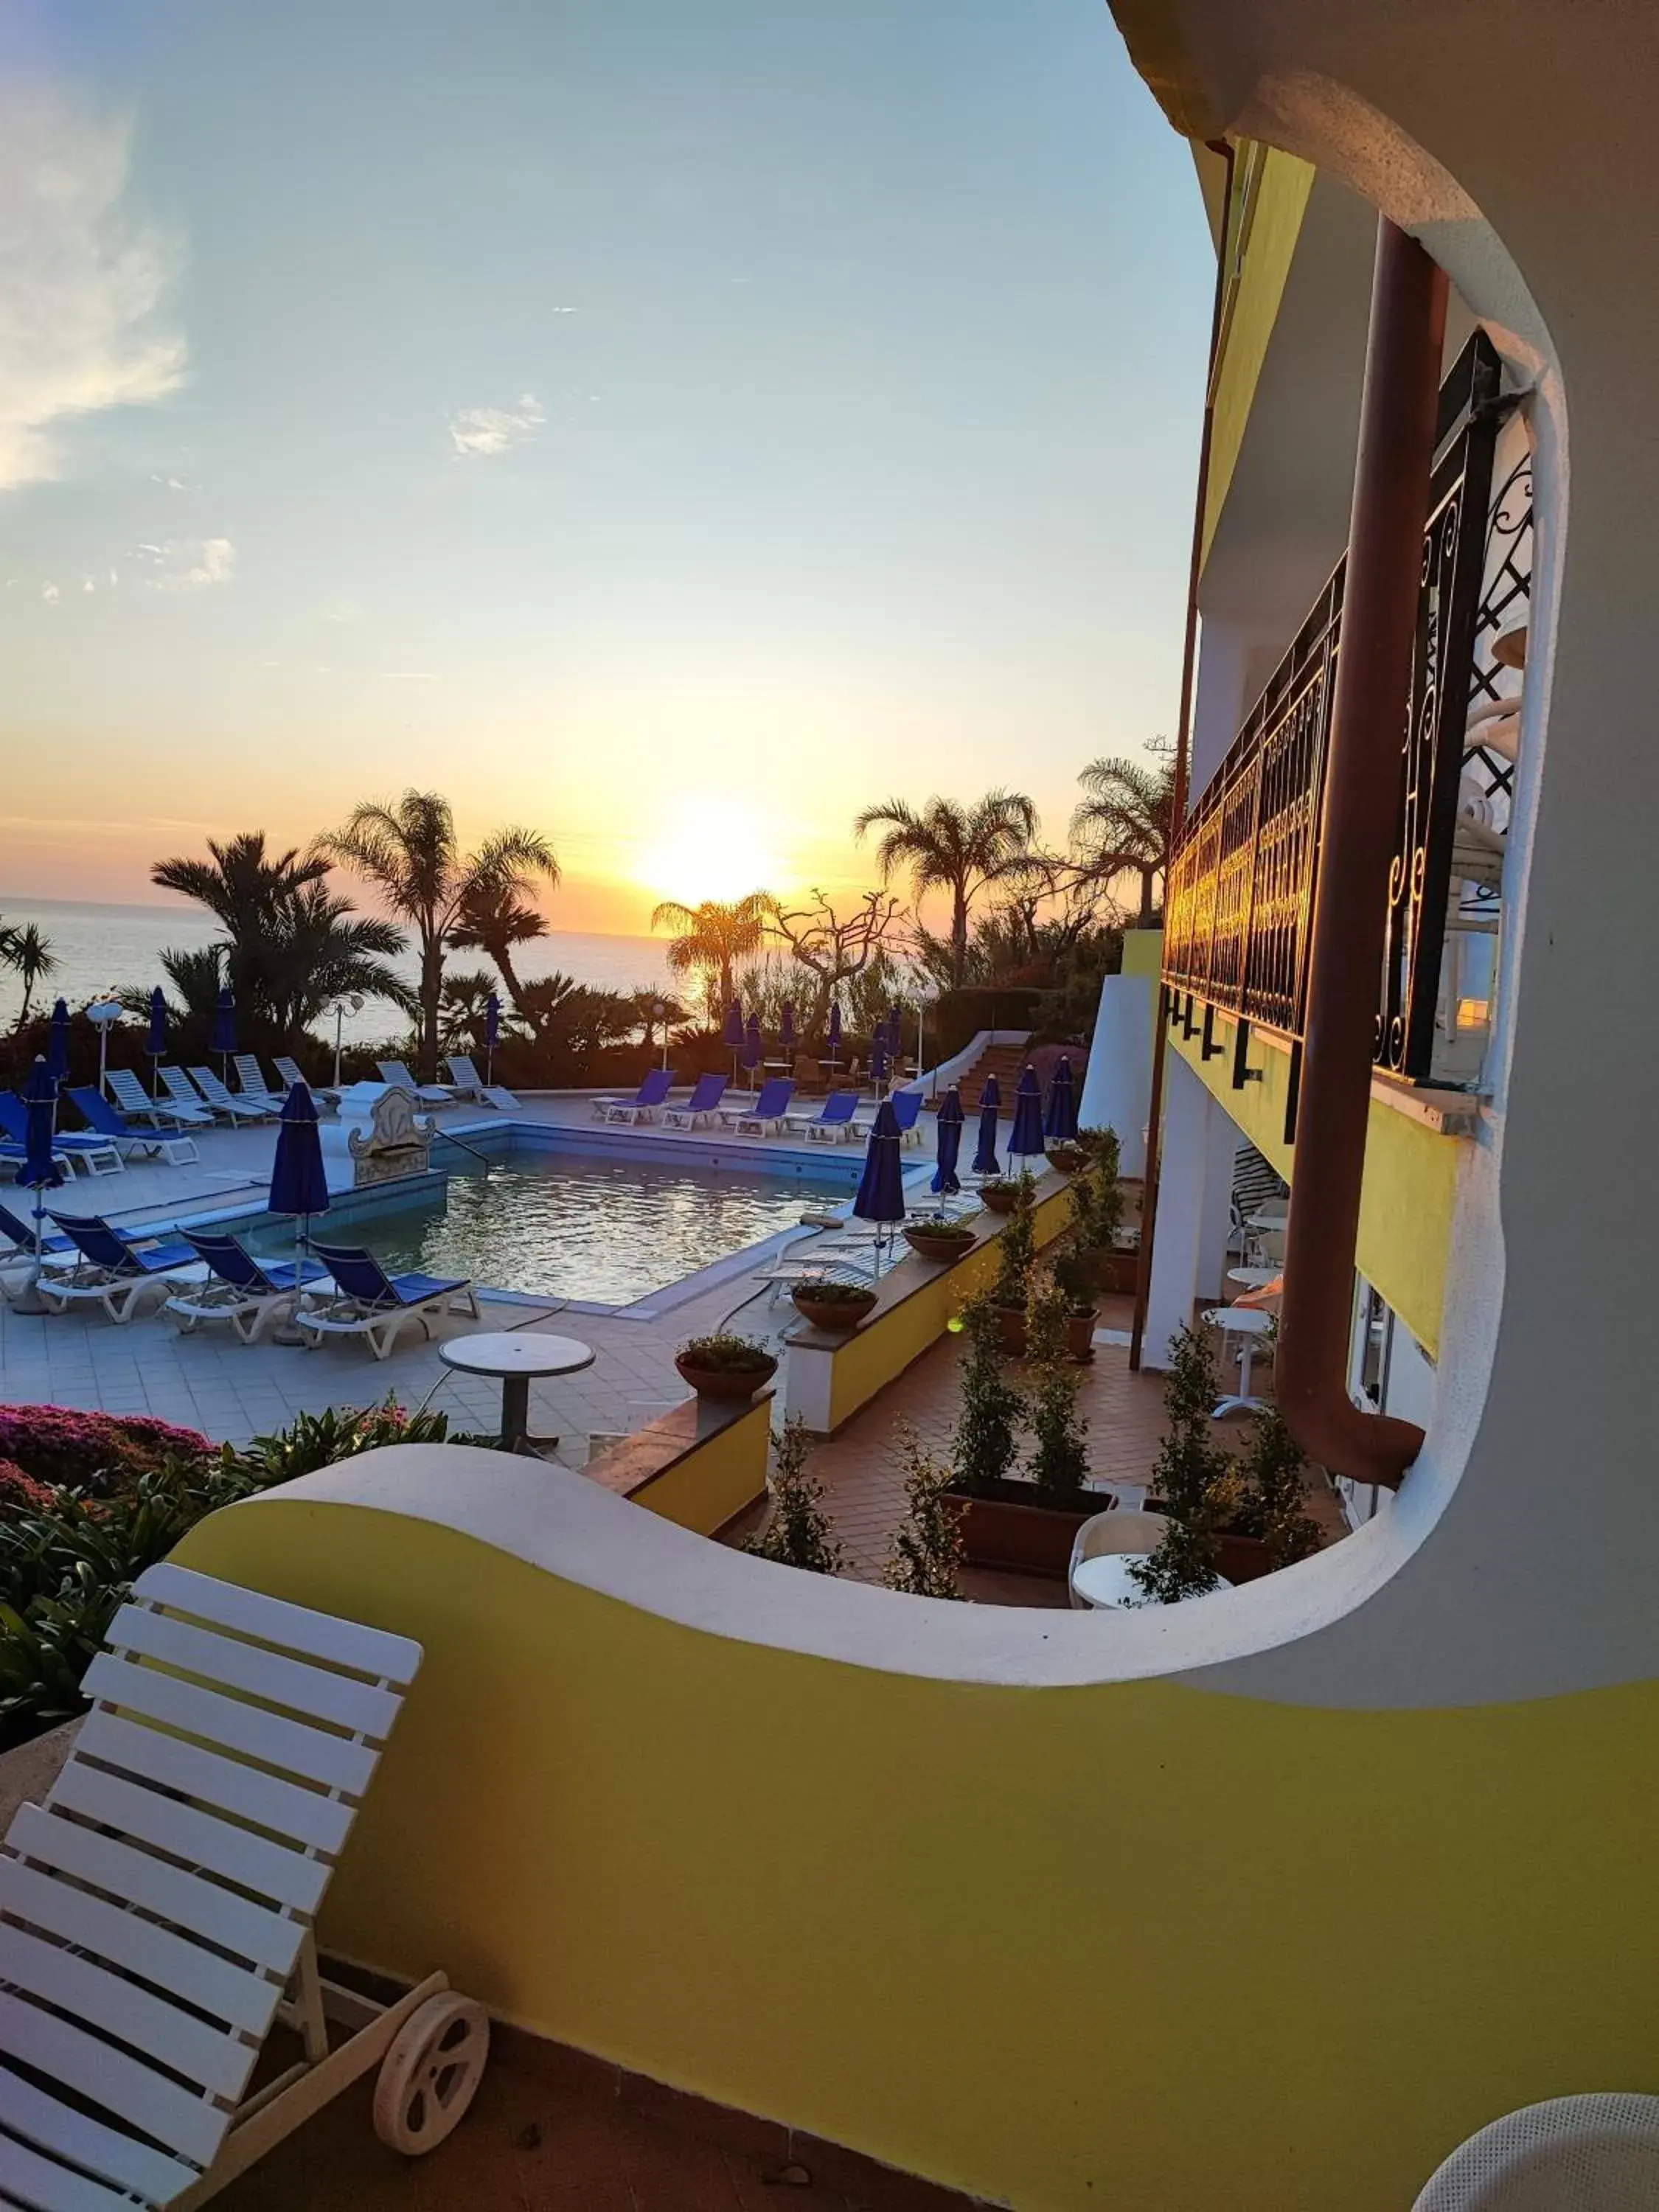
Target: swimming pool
[595,1228]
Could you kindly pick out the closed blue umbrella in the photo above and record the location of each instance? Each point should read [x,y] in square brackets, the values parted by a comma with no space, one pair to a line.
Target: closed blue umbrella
[990,1105]
[298,1183]
[223,1040]
[492,1035]
[156,1045]
[881,1187]
[39,1172]
[58,1043]
[753,1051]
[948,1143]
[732,1035]
[1060,1120]
[832,1035]
[1027,1136]
[878,1056]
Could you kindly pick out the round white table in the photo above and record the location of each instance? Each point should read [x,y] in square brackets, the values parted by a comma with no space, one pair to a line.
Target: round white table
[1250,1324]
[1254,1279]
[1106,1582]
[517,1357]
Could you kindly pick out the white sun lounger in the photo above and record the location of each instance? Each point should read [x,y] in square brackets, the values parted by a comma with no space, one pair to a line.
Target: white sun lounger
[251,1083]
[226,1102]
[161,1906]
[395,1072]
[134,1101]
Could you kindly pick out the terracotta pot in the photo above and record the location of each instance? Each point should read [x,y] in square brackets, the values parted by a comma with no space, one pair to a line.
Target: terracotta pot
[1244,1558]
[1080,1334]
[939,1250]
[840,1316]
[732,1385]
[1011,1330]
[1118,1272]
[999,1201]
[1070,1159]
[1026,1538]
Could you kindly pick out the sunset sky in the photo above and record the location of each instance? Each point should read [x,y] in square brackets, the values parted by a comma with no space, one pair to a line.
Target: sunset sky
[672,423]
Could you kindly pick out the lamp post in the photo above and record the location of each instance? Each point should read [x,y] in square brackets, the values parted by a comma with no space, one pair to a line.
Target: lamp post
[103,1013]
[354,1001]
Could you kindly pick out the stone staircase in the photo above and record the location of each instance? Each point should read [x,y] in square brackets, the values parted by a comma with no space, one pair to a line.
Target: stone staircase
[1005,1062]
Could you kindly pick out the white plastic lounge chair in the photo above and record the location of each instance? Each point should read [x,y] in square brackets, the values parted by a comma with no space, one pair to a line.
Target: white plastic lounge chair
[833,1124]
[181,1091]
[429,1094]
[245,1291]
[369,1303]
[175,1145]
[642,1106]
[701,1106]
[501,1100]
[288,1072]
[114,1270]
[160,1907]
[226,1102]
[251,1083]
[134,1100]
[762,1116]
[97,1154]
[464,1079]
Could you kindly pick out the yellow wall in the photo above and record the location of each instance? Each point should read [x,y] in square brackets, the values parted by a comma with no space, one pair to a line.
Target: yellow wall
[887,1344]
[1283,185]
[714,1480]
[1410,1186]
[1120,1946]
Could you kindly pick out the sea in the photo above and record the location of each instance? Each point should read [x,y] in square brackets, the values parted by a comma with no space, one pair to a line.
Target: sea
[106,948]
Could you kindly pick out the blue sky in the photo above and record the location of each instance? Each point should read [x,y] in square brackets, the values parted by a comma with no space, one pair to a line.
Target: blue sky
[672,423]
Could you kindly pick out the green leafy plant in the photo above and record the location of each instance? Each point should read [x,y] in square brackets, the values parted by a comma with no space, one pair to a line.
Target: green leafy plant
[831,1291]
[1098,1194]
[1017,1247]
[943,1224]
[1274,1472]
[726,1354]
[318,1440]
[799,1531]
[1075,1277]
[988,1423]
[926,1549]
[1186,1479]
[1059,1463]
[1184,1566]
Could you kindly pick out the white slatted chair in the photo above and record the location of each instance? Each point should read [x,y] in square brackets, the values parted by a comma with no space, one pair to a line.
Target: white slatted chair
[158,1910]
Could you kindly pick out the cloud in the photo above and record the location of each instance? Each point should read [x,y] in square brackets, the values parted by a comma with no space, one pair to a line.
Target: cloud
[187,564]
[88,583]
[409,676]
[172,483]
[495,429]
[82,281]
[49,593]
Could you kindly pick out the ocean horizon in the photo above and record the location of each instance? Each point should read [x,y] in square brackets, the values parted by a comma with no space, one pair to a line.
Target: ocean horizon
[106,946]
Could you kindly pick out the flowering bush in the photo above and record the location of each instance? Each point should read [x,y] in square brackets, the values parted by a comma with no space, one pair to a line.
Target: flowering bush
[21,1492]
[99,1452]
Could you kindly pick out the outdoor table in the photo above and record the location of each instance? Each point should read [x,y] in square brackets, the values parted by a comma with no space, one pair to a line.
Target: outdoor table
[1105,1581]
[1254,1279]
[516,1355]
[1248,1324]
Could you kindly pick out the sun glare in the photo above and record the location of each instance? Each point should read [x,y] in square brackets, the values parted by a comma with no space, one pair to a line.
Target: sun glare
[709,849]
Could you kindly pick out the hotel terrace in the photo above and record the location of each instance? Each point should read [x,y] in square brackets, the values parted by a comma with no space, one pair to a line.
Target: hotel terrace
[1266,1899]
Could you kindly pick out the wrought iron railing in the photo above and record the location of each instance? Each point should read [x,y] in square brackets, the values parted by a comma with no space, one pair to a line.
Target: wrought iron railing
[1239,902]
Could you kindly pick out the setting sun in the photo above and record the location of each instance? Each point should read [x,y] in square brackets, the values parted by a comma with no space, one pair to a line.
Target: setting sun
[710,849]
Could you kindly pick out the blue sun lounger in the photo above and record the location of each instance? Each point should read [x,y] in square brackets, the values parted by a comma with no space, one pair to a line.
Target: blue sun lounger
[369,1303]
[239,1289]
[652,1093]
[97,1154]
[833,1124]
[701,1106]
[107,1121]
[763,1114]
[113,1269]
[907,1110]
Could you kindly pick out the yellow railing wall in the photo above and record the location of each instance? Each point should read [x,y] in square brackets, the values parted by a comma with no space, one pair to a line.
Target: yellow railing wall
[712,1482]
[1407,1198]
[1130,1944]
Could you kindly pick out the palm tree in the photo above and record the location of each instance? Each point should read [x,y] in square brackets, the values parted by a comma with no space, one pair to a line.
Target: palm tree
[494,919]
[291,945]
[950,847]
[30,956]
[409,848]
[1126,822]
[712,937]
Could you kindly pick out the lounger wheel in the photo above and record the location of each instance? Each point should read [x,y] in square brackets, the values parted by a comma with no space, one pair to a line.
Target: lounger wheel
[431,2073]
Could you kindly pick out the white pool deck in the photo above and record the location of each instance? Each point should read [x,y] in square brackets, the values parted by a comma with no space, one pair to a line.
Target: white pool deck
[209,1380]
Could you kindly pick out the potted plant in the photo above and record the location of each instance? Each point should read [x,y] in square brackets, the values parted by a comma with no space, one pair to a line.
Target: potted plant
[831,1304]
[936,1237]
[1097,1216]
[799,1532]
[926,1550]
[1009,1520]
[1068,1155]
[1075,1275]
[727,1368]
[1002,1193]
[1059,1463]
[1016,1251]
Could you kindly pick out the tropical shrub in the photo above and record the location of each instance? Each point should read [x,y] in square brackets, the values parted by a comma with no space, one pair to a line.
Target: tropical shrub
[316,1440]
[1016,1246]
[1059,1463]
[1274,1474]
[799,1532]
[927,1547]
[96,1452]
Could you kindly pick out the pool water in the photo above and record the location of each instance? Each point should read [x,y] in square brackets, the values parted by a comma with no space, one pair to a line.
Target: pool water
[605,1231]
